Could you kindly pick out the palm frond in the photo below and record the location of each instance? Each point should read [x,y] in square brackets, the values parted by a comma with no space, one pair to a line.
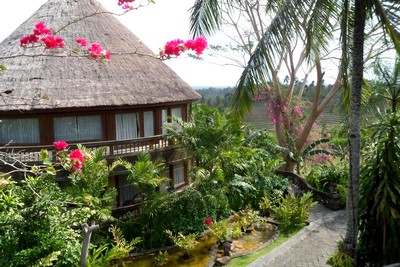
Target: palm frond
[321,24]
[205,17]
[388,13]
[284,26]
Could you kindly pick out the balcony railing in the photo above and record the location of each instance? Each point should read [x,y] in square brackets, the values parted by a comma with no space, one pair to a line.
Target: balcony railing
[114,149]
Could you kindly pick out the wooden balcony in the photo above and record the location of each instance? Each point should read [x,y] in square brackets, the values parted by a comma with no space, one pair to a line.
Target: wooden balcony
[114,149]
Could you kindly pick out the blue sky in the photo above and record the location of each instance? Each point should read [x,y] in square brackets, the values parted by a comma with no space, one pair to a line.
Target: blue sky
[154,25]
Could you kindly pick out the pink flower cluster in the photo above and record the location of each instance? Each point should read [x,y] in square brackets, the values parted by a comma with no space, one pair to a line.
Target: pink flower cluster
[60,145]
[125,4]
[275,111]
[298,111]
[178,46]
[44,34]
[121,2]
[95,50]
[76,156]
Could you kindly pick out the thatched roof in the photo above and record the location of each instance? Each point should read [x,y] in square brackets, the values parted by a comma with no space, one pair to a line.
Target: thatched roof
[44,82]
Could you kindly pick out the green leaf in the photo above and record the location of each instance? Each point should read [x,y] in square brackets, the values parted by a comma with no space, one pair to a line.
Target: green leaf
[51,170]
[47,161]
[44,154]
[2,67]
[48,260]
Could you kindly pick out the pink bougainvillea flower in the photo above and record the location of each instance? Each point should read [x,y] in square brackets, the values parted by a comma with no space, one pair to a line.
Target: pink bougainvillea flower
[25,40]
[60,145]
[32,38]
[53,41]
[95,50]
[298,111]
[208,221]
[76,157]
[127,6]
[41,29]
[174,47]
[81,41]
[198,45]
[121,2]
[105,54]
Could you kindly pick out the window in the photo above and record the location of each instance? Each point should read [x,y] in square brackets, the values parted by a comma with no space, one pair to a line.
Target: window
[127,194]
[127,125]
[78,128]
[179,173]
[148,123]
[19,131]
[176,113]
[164,120]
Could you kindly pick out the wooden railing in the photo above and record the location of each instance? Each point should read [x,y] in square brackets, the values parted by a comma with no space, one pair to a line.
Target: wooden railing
[114,149]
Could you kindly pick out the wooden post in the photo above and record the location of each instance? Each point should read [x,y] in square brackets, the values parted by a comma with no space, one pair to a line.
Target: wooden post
[87,231]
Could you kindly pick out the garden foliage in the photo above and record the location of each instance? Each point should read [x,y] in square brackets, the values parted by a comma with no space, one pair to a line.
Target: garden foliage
[379,241]
[40,222]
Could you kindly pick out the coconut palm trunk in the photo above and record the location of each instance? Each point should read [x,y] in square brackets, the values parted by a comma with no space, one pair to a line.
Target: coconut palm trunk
[354,131]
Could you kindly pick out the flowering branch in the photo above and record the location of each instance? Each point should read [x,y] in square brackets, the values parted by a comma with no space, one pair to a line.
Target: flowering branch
[50,40]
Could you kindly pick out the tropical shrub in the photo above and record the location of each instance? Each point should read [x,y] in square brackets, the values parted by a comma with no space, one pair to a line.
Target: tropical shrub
[246,217]
[110,255]
[144,174]
[339,258]
[292,211]
[331,178]
[182,212]
[186,242]
[379,241]
[48,217]
[221,230]
[327,177]
[161,258]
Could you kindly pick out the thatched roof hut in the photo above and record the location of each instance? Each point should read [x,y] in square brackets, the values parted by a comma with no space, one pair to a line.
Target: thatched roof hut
[36,81]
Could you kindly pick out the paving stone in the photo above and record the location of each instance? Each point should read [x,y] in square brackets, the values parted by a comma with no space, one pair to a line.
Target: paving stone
[312,246]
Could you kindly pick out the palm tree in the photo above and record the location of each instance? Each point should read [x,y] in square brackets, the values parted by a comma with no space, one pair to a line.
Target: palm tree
[352,16]
[261,72]
[144,174]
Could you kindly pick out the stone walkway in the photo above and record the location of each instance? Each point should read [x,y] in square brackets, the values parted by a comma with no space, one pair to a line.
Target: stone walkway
[312,246]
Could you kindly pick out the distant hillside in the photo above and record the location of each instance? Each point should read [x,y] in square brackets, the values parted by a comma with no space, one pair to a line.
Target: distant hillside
[221,98]
[258,117]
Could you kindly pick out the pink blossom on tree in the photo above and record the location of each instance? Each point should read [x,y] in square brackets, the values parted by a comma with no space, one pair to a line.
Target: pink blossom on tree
[82,42]
[297,110]
[176,47]
[122,2]
[41,29]
[96,51]
[53,41]
[198,45]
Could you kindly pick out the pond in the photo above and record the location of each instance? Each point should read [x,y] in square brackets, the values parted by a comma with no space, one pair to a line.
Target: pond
[206,251]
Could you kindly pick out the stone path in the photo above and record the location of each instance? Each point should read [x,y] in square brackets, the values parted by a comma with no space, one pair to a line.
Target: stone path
[312,246]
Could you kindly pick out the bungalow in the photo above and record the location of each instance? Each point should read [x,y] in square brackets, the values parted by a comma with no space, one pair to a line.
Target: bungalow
[121,104]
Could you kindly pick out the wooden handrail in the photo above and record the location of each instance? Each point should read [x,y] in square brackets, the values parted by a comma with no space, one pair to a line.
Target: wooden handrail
[114,148]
